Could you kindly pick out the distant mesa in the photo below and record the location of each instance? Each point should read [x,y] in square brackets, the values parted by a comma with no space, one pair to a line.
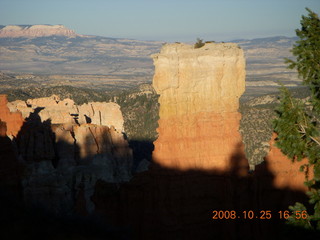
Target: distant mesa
[33,31]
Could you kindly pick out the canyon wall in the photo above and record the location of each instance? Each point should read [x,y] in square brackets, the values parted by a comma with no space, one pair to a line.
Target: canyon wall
[199,92]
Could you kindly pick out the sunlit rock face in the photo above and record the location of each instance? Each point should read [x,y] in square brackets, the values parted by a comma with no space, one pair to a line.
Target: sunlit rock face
[199,99]
[65,111]
[13,120]
[286,172]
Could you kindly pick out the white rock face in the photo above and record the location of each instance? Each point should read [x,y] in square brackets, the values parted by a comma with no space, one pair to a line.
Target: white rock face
[14,31]
[101,113]
[206,79]
[67,112]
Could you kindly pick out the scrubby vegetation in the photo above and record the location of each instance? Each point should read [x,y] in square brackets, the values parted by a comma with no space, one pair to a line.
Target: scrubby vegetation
[79,95]
[256,123]
[140,109]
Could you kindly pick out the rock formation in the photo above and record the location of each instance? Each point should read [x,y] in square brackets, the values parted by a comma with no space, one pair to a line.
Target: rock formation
[199,99]
[13,120]
[65,149]
[67,112]
[62,161]
[32,31]
[198,162]
[101,113]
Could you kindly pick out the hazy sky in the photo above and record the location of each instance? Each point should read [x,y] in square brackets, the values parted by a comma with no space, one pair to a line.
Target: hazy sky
[165,20]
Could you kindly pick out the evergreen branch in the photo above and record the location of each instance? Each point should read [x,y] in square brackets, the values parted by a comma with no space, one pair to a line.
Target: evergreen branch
[303,131]
[315,140]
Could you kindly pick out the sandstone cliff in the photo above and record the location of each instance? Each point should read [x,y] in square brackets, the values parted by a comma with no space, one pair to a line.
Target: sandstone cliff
[199,99]
[32,31]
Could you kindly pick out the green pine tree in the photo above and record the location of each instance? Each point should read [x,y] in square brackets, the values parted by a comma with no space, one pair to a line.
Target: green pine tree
[298,122]
[307,53]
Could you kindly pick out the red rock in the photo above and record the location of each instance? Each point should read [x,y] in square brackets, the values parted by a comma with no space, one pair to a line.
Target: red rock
[286,172]
[14,120]
[202,141]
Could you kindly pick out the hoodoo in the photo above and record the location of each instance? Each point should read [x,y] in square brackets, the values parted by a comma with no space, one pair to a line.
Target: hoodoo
[199,92]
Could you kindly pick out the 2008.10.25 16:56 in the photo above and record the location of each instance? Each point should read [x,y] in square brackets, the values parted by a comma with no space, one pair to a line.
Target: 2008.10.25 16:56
[262,214]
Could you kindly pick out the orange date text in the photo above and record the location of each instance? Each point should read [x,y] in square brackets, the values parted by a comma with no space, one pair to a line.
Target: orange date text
[261,215]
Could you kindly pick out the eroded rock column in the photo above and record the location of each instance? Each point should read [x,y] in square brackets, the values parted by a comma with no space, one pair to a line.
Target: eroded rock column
[199,99]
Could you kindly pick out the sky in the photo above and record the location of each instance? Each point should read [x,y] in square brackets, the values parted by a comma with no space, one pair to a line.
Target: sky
[164,20]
